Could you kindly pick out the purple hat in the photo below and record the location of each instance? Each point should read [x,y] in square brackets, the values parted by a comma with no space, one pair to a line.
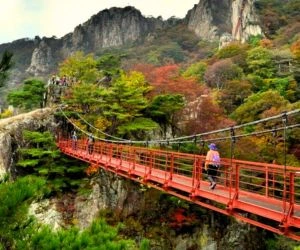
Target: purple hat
[212,146]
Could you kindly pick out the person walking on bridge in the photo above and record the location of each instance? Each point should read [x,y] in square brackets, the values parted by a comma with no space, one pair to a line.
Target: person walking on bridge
[74,140]
[212,164]
[90,143]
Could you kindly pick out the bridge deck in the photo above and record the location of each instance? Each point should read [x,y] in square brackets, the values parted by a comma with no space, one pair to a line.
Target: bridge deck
[231,196]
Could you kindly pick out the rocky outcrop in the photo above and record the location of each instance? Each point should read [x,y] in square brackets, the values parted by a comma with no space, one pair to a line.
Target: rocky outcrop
[41,60]
[108,192]
[245,22]
[112,27]
[210,18]
[46,213]
[11,135]
[213,19]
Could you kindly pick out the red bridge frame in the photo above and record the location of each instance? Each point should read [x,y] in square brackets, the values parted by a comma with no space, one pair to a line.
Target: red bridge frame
[264,195]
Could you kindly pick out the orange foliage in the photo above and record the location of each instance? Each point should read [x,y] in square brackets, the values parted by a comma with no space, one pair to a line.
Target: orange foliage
[295,48]
[92,169]
[167,80]
[266,43]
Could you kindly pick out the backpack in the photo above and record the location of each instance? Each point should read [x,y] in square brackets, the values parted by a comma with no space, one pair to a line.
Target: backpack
[216,160]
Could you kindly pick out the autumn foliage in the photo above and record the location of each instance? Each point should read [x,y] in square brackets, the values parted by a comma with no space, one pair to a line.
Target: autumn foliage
[167,80]
[92,169]
[295,48]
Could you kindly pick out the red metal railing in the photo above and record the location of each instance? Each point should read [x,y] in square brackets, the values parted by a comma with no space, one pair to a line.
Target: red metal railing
[265,195]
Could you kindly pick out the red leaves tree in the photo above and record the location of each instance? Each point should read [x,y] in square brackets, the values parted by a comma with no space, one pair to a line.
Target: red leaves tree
[167,80]
[201,112]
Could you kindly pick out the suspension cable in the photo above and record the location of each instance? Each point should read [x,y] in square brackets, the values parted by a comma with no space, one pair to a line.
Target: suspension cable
[177,139]
[250,134]
[108,135]
[83,131]
[238,126]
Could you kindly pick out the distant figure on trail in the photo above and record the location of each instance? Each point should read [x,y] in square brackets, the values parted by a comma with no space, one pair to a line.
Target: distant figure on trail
[74,140]
[90,143]
[57,80]
[212,164]
[63,80]
[53,79]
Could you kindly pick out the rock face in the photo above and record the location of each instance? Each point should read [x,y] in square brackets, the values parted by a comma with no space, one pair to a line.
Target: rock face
[109,192]
[211,19]
[110,28]
[244,20]
[41,60]
[11,135]
[46,213]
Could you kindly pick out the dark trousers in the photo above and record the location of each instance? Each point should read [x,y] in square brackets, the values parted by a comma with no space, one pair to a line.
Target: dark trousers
[90,148]
[74,145]
[212,172]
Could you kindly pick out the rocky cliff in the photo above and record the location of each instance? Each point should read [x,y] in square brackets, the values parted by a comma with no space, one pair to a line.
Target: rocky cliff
[224,20]
[11,135]
[110,28]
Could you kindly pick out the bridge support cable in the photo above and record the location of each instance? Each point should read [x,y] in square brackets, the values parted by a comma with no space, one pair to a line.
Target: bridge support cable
[236,126]
[100,131]
[188,138]
[232,169]
[284,122]
[85,121]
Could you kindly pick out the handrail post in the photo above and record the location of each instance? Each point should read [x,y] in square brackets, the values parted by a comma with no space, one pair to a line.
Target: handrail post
[111,152]
[237,180]
[292,189]
[171,167]
[134,158]
[150,162]
[267,182]
[232,141]
[286,215]
[196,175]
[120,153]
[131,159]
[101,150]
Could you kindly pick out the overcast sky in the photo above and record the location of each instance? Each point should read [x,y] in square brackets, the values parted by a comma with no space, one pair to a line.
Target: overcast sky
[28,18]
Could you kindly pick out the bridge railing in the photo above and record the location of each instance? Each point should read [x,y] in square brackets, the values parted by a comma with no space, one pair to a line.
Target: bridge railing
[268,180]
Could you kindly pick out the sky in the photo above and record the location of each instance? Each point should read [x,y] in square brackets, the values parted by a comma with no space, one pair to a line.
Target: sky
[30,18]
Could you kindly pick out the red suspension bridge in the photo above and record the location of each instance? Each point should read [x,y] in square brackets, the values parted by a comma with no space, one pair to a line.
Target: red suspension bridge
[264,195]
